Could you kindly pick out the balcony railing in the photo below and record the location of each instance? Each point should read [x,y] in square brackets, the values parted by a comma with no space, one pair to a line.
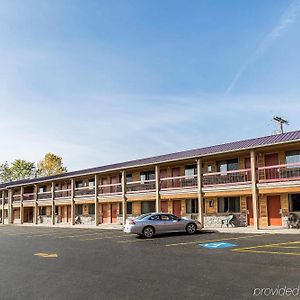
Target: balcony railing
[284,172]
[62,193]
[140,186]
[16,198]
[84,191]
[44,195]
[227,178]
[28,197]
[178,182]
[113,188]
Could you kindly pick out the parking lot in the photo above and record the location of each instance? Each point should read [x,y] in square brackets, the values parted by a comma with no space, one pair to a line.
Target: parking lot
[61,263]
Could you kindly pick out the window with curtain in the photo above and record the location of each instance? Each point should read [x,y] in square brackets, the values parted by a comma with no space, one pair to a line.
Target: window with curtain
[229,205]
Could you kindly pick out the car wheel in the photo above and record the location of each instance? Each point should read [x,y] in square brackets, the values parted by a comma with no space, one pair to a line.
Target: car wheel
[148,232]
[191,228]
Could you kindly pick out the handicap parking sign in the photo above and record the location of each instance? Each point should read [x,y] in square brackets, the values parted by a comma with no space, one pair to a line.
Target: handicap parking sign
[218,245]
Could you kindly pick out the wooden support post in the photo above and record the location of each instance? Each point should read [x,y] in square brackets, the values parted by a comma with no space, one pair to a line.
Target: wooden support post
[200,194]
[53,202]
[3,199]
[124,202]
[10,209]
[72,201]
[254,188]
[96,200]
[157,189]
[36,207]
[21,206]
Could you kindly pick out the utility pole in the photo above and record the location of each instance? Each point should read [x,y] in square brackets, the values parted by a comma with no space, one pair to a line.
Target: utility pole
[280,121]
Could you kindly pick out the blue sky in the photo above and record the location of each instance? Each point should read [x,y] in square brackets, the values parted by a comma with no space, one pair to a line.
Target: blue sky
[105,81]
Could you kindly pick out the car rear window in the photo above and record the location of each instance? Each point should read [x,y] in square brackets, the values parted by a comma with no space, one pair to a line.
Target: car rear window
[141,217]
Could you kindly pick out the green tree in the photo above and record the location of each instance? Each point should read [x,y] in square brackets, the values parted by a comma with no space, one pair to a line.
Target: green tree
[5,173]
[22,169]
[51,165]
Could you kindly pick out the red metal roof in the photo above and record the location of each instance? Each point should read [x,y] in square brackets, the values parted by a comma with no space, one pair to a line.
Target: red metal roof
[200,152]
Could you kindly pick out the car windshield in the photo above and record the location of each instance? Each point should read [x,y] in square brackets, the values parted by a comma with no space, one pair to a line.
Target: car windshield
[141,217]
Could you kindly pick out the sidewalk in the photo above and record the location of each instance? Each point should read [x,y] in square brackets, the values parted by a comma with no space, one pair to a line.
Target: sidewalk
[274,230]
[245,230]
[80,226]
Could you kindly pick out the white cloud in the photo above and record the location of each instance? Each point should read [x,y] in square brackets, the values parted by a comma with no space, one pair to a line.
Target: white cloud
[287,19]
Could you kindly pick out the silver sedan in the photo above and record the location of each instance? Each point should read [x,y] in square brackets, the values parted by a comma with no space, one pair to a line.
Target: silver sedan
[150,224]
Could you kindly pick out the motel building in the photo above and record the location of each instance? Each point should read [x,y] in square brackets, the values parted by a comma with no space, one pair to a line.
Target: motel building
[256,180]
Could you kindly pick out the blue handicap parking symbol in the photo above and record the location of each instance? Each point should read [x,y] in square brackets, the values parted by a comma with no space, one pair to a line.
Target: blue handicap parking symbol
[218,245]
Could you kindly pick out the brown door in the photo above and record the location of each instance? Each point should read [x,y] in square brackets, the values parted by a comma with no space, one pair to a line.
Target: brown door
[114,212]
[274,207]
[164,206]
[106,213]
[62,214]
[176,173]
[105,189]
[271,160]
[248,166]
[163,174]
[250,211]
[177,208]
[68,213]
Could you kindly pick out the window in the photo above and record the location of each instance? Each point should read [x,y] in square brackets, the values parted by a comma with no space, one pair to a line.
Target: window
[129,178]
[78,209]
[155,218]
[294,201]
[42,189]
[56,187]
[150,175]
[165,218]
[228,165]
[192,206]
[78,184]
[42,211]
[147,206]
[209,168]
[129,208]
[92,209]
[228,204]
[292,157]
[91,183]
[190,171]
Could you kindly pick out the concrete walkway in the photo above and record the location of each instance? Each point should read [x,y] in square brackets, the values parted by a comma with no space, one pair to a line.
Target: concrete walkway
[274,230]
[245,230]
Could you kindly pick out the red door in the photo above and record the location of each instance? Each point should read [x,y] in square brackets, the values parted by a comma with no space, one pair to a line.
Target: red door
[274,207]
[163,183]
[271,160]
[176,173]
[177,208]
[114,212]
[248,166]
[164,206]
[68,213]
[106,213]
[105,189]
[62,214]
[250,211]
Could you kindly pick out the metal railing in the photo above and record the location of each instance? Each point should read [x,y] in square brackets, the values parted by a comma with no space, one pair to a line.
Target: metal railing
[178,182]
[86,191]
[228,177]
[140,186]
[62,193]
[113,188]
[28,197]
[44,195]
[283,172]
[16,198]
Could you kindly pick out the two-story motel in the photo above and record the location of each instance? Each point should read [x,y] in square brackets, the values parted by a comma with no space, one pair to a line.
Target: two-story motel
[257,180]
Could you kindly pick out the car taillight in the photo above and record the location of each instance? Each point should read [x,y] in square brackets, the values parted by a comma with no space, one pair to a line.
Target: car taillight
[131,222]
